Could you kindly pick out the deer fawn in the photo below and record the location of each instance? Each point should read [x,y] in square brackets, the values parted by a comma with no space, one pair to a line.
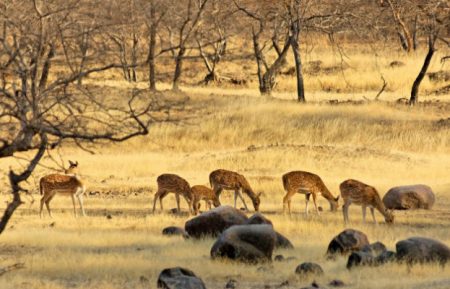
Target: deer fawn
[308,184]
[69,184]
[228,180]
[170,183]
[355,192]
[206,194]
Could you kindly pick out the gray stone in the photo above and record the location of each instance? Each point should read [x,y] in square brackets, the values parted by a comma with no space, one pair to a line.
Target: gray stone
[308,268]
[248,243]
[179,278]
[177,231]
[422,250]
[214,222]
[347,241]
[409,197]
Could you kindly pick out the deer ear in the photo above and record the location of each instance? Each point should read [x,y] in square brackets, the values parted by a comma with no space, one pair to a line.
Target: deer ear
[259,194]
[337,198]
[71,163]
[76,163]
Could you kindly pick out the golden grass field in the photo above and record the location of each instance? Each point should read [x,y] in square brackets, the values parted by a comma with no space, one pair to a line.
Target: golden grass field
[379,143]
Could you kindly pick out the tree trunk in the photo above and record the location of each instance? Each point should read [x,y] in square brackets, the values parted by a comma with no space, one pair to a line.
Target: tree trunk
[298,70]
[151,60]
[415,87]
[178,68]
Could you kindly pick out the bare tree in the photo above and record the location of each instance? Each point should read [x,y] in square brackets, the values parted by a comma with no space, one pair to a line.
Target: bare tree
[183,20]
[42,105]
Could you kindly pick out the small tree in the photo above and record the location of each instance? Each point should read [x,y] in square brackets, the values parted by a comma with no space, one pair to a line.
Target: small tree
[41,103]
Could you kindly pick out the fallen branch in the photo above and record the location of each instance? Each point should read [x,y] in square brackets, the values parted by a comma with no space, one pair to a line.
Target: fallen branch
[10,268]
[382,88]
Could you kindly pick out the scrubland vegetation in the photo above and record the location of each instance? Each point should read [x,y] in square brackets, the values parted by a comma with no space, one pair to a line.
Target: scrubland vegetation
[98,105]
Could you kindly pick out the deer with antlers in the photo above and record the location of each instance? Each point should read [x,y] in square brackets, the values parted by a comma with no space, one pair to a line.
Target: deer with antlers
[66,184]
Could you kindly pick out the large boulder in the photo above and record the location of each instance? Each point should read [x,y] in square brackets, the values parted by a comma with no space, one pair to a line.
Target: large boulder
[248,243]
[420,250]
[260,219]
[214,222]
[179,278]
[347,241]
[409,197]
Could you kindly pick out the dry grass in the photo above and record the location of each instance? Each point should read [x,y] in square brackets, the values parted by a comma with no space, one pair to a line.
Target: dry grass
[378,143]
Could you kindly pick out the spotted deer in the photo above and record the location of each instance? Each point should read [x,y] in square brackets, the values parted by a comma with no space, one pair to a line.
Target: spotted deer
[206,194]
[308,184]
[65,184]
[228,180]
[170,183]
[358,193]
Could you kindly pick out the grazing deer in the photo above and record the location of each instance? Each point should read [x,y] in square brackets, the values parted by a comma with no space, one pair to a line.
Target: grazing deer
[228,180]
[308,184]
[69,184]
[206,194]
[170,183]
[355,192]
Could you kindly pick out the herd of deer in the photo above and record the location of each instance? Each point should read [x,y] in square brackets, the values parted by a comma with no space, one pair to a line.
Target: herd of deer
[309,184]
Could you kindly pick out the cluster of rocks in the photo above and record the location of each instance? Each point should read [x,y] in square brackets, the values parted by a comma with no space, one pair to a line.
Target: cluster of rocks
[361,253]
[254,239]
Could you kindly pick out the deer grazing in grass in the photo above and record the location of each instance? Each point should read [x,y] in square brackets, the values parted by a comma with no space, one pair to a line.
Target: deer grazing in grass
[67,184]
[356,192]
[308,184]
[170,183]
[206,194]
[228,180]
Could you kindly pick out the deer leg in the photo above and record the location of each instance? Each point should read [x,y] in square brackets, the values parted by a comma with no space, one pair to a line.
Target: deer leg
[47,204]
[155,199]
[307,196]
[242,199]
[345,211]
[372,211]
[80,201]
[177,198]
[190,204]
[73,202]
[286,203]
[315,203]
[364,213]
[42,206]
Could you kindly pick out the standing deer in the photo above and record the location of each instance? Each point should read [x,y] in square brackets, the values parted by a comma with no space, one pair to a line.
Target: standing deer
[356,192]
[69,184]
[206,194]
[170,183]
[309,184]
[228,180]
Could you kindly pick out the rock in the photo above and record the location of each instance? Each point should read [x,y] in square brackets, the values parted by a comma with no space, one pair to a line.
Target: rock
[283,242]
[375,248]
[258,219]
[409,197]
[172,230]
[347,241]
[337,283]
[248,243]
[215,221]
[421,250]
[179,278]
[360,258]
[231,284]
[396,63]
[109,216]
[279,258]
[313,285]
[308,268]
[385,257]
